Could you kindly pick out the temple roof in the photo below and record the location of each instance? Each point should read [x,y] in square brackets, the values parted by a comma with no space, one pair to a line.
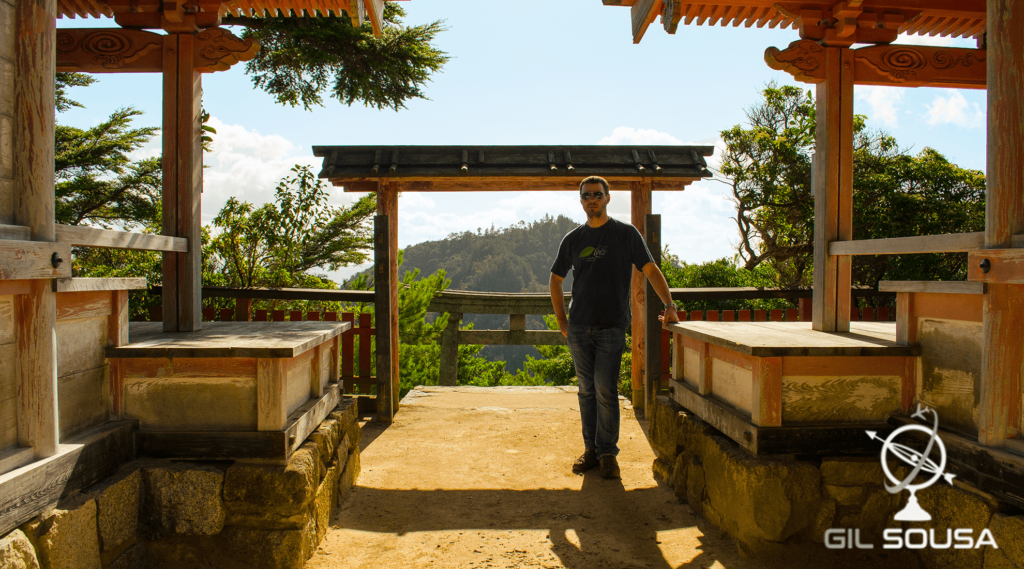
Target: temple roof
[878,21]
[495,168]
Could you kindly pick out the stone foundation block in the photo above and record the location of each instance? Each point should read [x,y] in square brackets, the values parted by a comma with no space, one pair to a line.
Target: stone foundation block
[663,469]
[349,475]
[16,552]
[845,495]
[261,490]
[260,549]
[678,480]
[135,557]
[346,413]
[849,471]
[1009,534]
[664,419]
[951,507]
[66,538]
[757,498]
[326,439]
[118,503]
[326,498]
[184,498]
[695,485]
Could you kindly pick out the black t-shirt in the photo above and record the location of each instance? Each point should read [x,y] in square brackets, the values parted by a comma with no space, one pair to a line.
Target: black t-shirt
[600,259]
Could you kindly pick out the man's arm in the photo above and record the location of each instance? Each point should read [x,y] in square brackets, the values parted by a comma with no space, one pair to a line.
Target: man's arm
[657,280]
[558,302]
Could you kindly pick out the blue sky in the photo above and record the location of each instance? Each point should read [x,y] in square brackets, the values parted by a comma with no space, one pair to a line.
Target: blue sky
[562,72]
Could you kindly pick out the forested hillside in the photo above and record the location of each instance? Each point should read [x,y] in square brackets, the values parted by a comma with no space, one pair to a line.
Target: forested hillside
[510,259]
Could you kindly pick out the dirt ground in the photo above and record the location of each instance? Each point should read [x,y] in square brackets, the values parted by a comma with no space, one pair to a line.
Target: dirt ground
[481,478]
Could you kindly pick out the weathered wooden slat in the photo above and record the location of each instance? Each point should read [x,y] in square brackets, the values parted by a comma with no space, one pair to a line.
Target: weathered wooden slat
[382,309]
[15,232]
[434,181]
[96,237]
[212,445]
[15,458]
[83,304]
[15,287]
[271,394]
[1005,266]
[282,293]
[766,404]
[79,462]
[512,338]
[767,339]
[34,260]
[228,340]
[939,287]
[948,243]
[110,284]
[308,417]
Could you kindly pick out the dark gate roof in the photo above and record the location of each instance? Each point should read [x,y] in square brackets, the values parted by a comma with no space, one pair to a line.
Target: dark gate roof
[499,168]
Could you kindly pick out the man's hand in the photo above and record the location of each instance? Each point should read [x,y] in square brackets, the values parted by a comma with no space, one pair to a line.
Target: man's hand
[669,317]
[563,326]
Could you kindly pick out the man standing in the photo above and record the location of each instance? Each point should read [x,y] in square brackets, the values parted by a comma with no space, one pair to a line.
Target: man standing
[600,253]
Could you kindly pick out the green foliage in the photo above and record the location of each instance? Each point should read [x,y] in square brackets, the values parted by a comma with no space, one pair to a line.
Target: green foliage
[895,194]
[282,243]
[721,273]
[301,59]
[96,181]
[557,370]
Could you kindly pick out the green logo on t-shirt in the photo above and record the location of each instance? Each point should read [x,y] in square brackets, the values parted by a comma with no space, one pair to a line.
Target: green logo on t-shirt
[586,252]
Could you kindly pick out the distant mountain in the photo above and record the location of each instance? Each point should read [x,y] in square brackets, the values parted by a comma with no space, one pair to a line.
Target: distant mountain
[517,258]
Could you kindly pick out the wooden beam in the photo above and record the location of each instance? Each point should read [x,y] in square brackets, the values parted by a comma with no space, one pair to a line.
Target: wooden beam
[382,310]
[939,287]
[948,243]
[642,14]
[896,65]
[104,238]
[78,463]
[15,287]
[507,184]
[109,51]
[766,394]
[387,204]
[15,232]
[271,404]
[34,260]
[375,11]
[33,155]
[640,207]
[182,183]
[1005,266]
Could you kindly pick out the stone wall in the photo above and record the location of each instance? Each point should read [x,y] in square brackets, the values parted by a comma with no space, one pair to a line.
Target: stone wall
[781,506]
[185,514]
[6,111]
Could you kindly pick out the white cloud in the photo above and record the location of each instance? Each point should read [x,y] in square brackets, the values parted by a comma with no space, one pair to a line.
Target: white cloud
[628,135]
[924,40]
[954,109]
[698,224]
[883,102]
[249,165]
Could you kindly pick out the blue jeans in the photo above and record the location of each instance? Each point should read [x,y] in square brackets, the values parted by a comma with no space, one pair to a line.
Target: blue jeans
[596,354]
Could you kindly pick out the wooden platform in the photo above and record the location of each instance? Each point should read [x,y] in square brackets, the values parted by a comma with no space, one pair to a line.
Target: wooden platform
[768,339]
[783,388]
[227,340]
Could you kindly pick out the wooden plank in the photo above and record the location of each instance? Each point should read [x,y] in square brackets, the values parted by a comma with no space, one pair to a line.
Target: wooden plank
[36,369]
[640,207]
[908,385]
[228,340]
[33,260]
[347,346]
[843,365]
[307,418]
[271,406]
[532,179]
[382,309]
[315,373]
[906,321]
[1006,266]
[375,11]
[729,422]
[738,359]
[189,153]
[334,360]
[844,231]
[767,339]
[642,14]
[678,355]
[766,404]
[282,294]
[169,183]
[967,307]
[826,191]
[83,305]
[104,238]
[948,243]
[15,232]
[505,337]
[938,287]
[704,376]
[15,458]
[86,285]
[213,445]
[365,324]
[79,462]
[15,287]
[999,416]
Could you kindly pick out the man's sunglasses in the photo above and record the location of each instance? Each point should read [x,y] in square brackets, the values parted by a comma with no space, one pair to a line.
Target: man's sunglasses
[587,195]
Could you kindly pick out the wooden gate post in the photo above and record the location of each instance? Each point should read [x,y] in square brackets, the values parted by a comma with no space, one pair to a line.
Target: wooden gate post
[652,377]
[449,364]
[36,313]
[833,191]
[382,308]
[999,414]
[182,183]
[640,206]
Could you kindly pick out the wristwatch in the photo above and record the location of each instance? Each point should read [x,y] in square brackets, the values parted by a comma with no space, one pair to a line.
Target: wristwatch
[671,305]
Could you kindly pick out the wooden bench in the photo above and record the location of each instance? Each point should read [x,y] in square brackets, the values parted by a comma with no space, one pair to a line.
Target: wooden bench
[783,388]
[231,390]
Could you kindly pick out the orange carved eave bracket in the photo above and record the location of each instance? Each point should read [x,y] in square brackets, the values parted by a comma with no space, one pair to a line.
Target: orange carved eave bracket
[136,51]
[894,65]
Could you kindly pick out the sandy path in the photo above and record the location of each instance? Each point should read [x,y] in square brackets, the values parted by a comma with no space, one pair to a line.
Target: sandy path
[480,478]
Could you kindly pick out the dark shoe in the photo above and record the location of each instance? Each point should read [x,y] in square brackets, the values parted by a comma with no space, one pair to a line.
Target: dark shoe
[588,461]
[609,467]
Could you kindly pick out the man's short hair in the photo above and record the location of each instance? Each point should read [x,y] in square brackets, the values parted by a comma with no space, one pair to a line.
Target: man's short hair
[594,180]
